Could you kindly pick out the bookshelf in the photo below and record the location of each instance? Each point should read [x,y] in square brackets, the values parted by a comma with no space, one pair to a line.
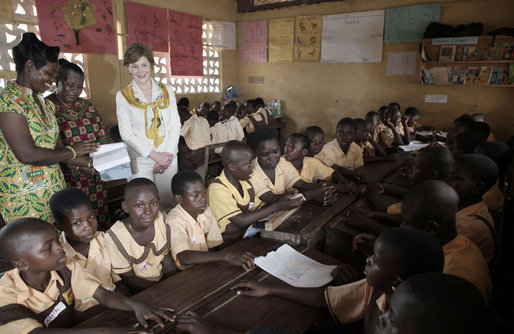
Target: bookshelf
[467,61]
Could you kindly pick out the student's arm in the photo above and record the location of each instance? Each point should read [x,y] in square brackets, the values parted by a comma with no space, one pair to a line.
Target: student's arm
[237,258]
[168,266]
[97,330]
[134,282]
[195,324]
[323,194]
[406,135]
[390,220]
[395,190]
[379,151]
[397,138]
[309,296]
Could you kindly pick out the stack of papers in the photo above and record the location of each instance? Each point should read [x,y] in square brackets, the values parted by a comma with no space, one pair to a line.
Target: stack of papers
[295,268]
[112,161]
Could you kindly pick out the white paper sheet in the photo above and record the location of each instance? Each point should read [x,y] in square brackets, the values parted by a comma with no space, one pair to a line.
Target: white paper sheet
[353,37]
[223,35]
[295,268]
[112,161]
[401,63]
[413,146]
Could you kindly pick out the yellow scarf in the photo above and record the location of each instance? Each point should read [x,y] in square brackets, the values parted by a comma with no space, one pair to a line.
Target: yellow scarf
[152,132]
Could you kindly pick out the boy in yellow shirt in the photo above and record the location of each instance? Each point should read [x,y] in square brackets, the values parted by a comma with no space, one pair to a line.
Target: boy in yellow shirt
[42,291]
[317,140]
[194,229]
[140,244]
[75,217]
[370,148]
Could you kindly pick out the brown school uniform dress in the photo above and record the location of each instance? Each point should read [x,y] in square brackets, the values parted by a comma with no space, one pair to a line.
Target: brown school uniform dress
[493,198]
[260,118]
[197,135]
[23,308]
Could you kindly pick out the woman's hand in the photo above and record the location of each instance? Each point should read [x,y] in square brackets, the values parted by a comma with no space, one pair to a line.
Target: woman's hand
[158,168]
[85,147]
[162,158]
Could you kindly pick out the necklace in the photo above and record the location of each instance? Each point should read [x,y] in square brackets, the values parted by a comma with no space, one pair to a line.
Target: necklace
[64,104]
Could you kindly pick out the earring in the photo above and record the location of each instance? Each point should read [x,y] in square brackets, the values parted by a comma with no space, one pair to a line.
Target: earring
[393,288]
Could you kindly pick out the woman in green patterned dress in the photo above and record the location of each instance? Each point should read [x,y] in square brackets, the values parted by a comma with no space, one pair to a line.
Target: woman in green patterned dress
[78,121]
[30,147]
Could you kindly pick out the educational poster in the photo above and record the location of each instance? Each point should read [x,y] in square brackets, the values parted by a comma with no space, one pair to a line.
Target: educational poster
[147,25]
[353,37]
[281,40]
[186,44]
[223,35]
[255,41]
[407,24]
[307,41]
[80,26]
[401,63]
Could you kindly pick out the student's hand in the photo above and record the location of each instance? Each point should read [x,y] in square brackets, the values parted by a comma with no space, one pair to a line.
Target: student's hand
[374,190]
[113,330]
[85,147]
[364,243]
[360,175]
[194,324]
[289,202]
[251,288]
[143,314]
[162,158]
[243,259]
[344,274]
[389,123]
[351,188]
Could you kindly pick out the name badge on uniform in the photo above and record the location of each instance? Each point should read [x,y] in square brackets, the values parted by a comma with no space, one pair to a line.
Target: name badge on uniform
[143,266]
[250,205]
[193,240]
[54,314]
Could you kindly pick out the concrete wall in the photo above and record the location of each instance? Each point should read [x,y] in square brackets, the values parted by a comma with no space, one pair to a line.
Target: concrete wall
[321,94]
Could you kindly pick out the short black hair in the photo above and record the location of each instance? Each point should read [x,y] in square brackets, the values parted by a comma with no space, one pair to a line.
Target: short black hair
[31,48]
[231,147]
[499,152]
[259,102]
[371,114]
[215,102]
[483,129]
[413,251]
[412,111]
[481,168]
[382,111]
[467,141]
[313,130]
[182,180]
[251,103]
[347,121]
[394,105]
[360,123]
[64,67]
[183,101]
[13,233]
[437,158]
[444,304]
[304,140]
[63,201]
[136,183]
[466,121]
[262,134]
[212,115]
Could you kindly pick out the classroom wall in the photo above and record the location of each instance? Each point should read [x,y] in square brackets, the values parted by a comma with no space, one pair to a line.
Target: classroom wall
[321,94]
[107,75]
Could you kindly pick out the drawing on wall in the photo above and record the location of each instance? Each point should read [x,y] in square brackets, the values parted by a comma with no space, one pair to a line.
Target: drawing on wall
[307,41]
[186,50]
[80,26]
[281,36]
[255,39]
[148,25]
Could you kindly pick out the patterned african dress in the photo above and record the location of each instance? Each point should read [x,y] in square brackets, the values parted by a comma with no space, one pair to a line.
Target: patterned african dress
[77,126]
[25,190]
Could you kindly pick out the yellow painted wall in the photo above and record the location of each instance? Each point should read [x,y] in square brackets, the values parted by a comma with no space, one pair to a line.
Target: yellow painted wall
[321,94]
[107,74]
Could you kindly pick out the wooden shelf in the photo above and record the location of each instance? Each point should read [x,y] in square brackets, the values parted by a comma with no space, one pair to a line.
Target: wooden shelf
[470,62]
[454,84]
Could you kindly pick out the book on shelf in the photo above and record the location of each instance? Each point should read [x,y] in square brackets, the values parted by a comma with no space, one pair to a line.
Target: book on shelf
[458,75]
[425,56]
[467,51]
[472,75]
[511,74]
[440,74]
[485,75]
[499,76]
[426,76]
[447,53]
[507,51]
[458,53]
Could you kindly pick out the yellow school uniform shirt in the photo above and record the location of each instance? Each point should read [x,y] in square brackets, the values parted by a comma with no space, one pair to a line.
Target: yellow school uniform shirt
[332,154]
[491,137]
[285,177]
[462,258]
[387,136]
[475,229]
[260,115]
[314,169]
[190,234]
[367,149]
[148,267]
[493,198]
[377,130]
[395,209]
[196,132]
[14,290]
[97,263]
[349,302]
[226,201]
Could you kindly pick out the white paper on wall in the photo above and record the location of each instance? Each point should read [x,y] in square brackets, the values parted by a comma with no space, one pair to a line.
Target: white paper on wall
[223,35]
[401,63]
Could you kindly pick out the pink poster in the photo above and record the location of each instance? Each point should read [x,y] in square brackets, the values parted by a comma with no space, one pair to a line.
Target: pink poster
[147,25]
[186,44]
[80,26]
[255,40]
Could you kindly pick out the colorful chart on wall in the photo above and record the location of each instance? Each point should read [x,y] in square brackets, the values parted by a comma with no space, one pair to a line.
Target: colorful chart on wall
[186,50]
[255,39]
[353,37]
[407,24]
[307,43]
[281,40]
[81,26]
[147,25]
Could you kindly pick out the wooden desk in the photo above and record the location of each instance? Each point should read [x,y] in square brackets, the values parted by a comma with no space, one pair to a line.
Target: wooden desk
[305,226]
[205,289]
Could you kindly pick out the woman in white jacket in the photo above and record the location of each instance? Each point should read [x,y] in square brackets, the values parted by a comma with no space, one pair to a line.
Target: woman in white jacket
[149,122]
